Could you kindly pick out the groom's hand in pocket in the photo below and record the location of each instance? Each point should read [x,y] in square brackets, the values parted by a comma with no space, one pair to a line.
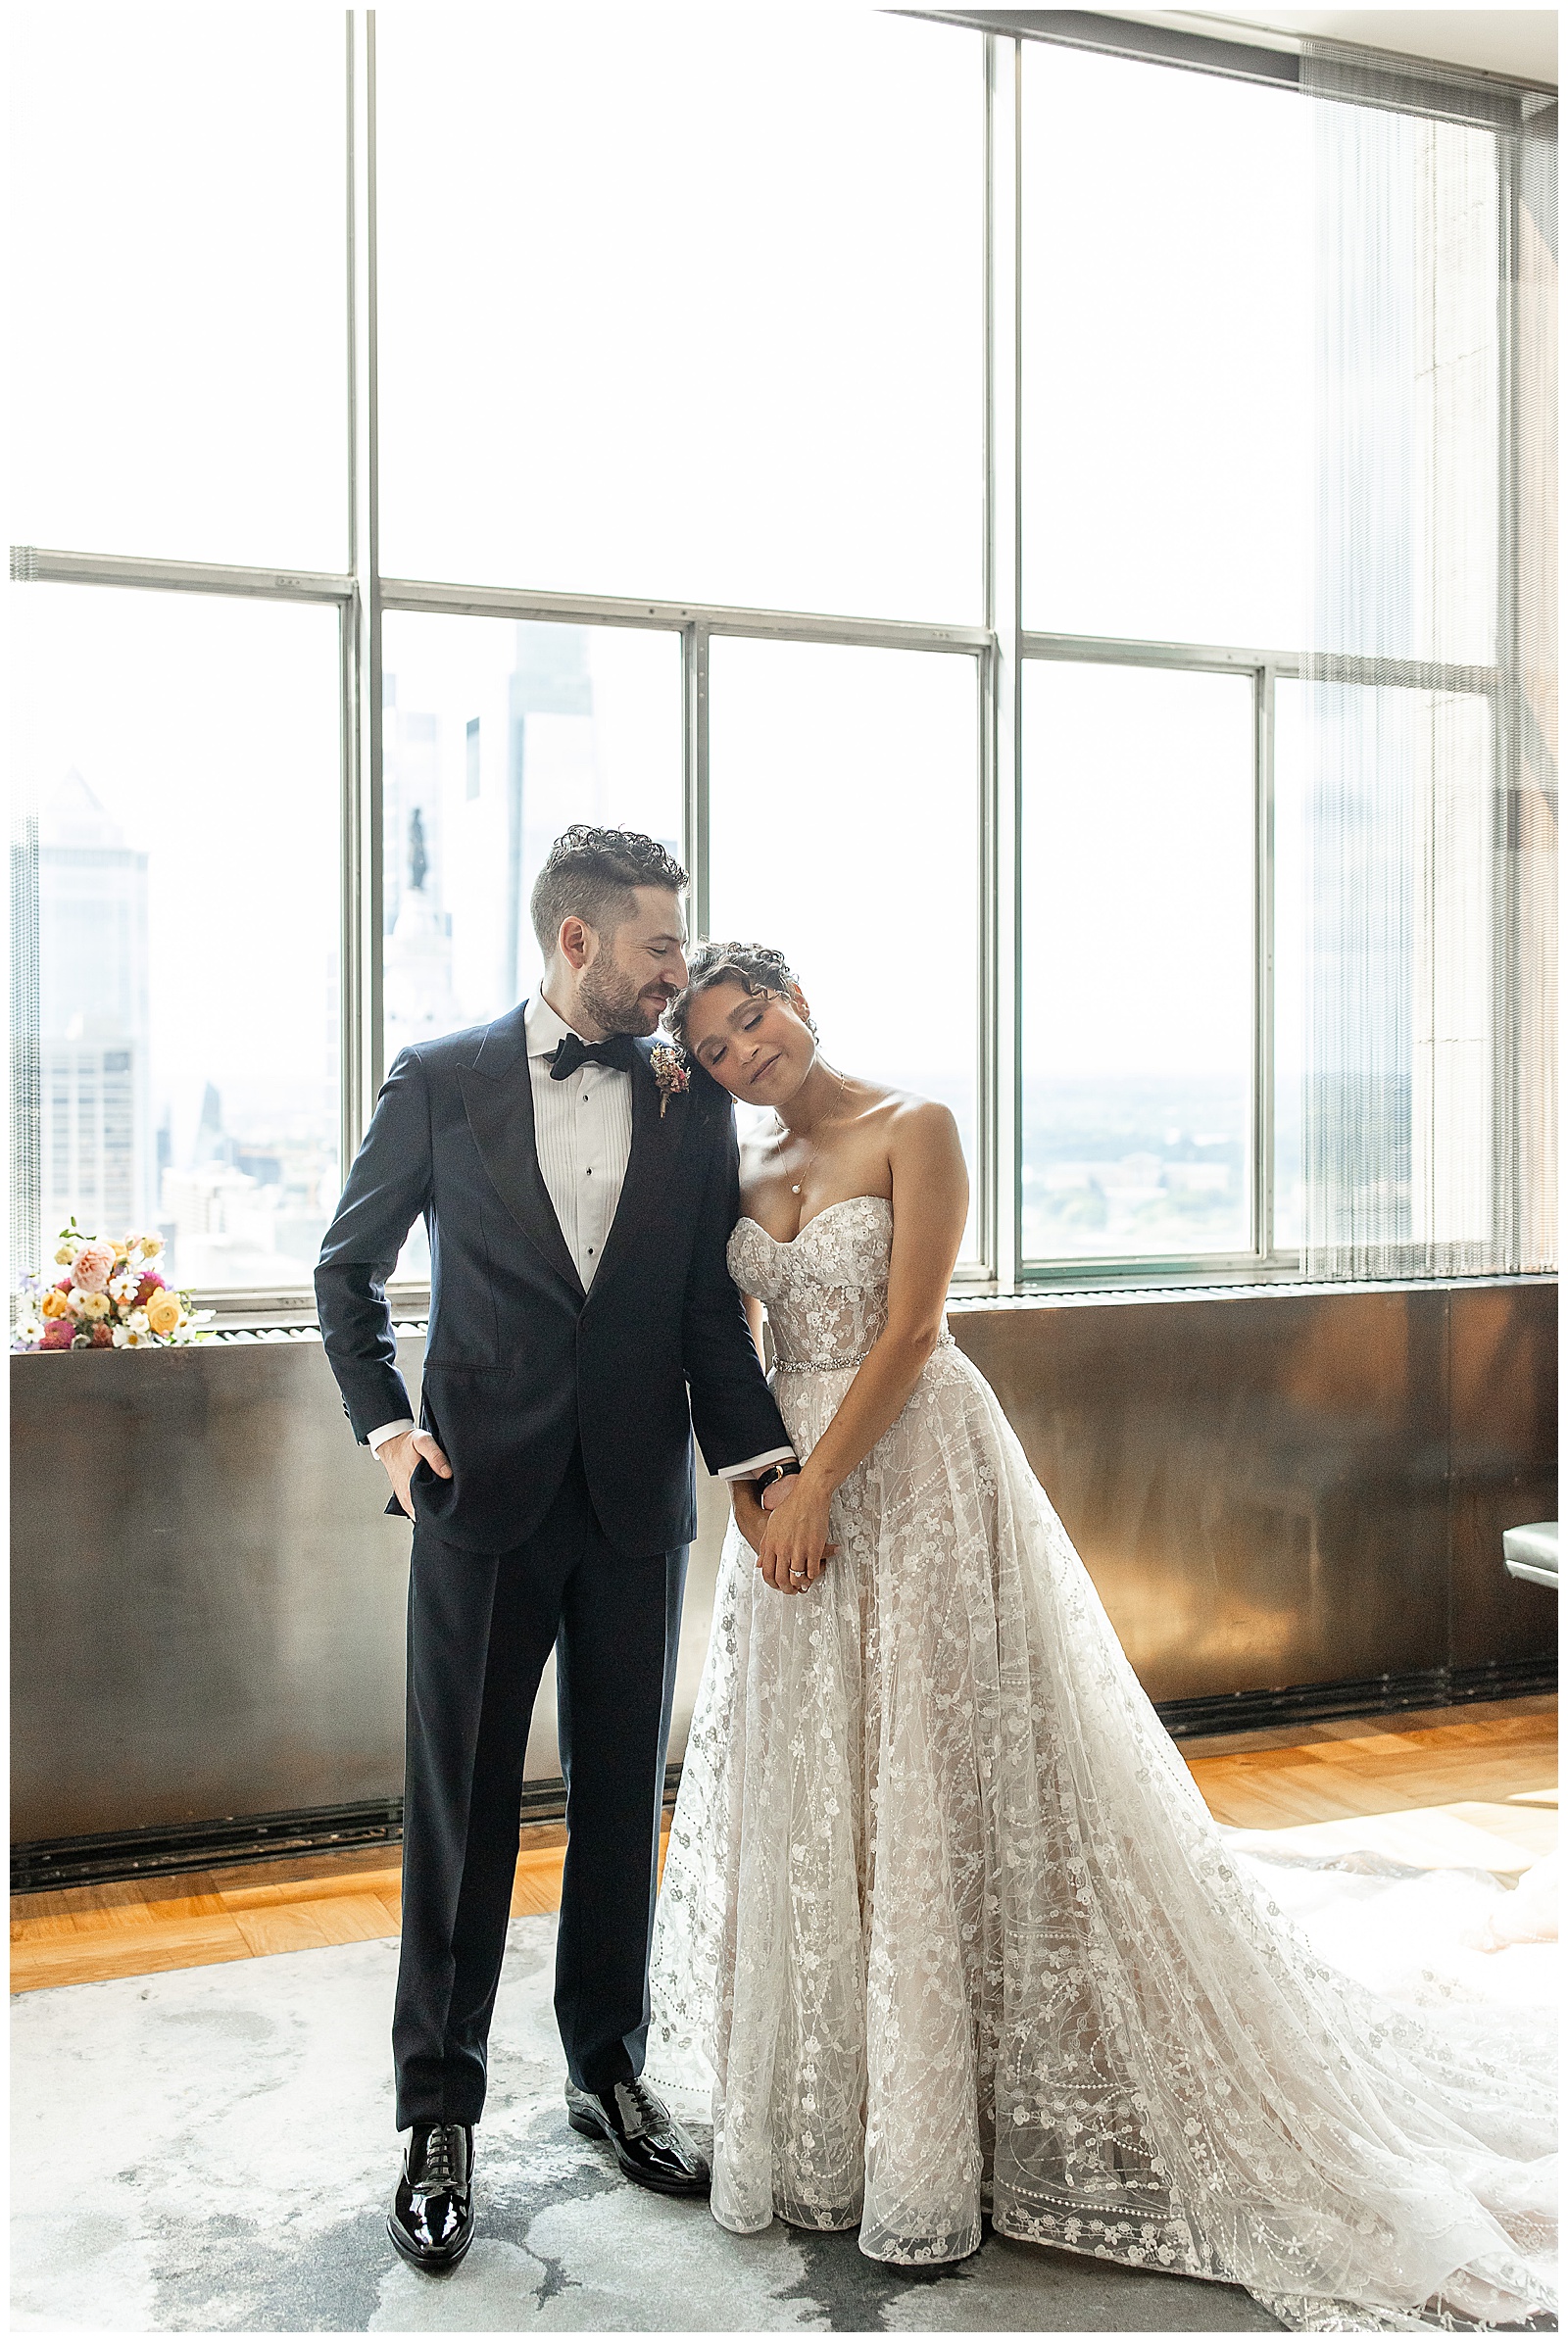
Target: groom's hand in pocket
[402,1454]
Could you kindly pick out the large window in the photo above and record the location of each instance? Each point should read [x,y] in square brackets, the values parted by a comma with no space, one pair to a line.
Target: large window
[1167,352]
[1040,530]
[690,307]
[178,213]
[180,754]
[844,817]
[497,733]
[1139,815]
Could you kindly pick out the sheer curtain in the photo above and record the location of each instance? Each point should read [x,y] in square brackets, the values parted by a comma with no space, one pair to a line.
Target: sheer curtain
[1430,1104]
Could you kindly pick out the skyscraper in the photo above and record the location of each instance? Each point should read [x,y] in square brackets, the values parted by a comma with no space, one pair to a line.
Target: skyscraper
[95,1139]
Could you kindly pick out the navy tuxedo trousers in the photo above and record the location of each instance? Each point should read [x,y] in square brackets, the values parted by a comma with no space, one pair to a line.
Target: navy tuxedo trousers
[480,1628]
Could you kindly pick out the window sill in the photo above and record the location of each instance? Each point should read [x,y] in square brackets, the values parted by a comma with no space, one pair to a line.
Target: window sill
[1288,1285]
[249,1317]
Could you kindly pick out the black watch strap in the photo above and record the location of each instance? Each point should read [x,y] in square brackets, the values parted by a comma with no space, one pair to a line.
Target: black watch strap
[777,1471]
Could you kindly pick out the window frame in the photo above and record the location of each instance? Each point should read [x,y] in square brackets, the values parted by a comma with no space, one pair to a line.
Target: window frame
[1000,646]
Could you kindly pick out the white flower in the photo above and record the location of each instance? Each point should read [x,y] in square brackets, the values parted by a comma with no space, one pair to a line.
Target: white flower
[136,1323]
[76,1302]
[122,1286]
[29,1329]
[123,1340]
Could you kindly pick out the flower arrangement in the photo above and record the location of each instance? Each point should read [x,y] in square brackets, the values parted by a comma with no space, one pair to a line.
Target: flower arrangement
[110,1298]
[671,1072]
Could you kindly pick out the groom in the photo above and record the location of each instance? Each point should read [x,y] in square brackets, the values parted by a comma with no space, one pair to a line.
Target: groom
[578,1198]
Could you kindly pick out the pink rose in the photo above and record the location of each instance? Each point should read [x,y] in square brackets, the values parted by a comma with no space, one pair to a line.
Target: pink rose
[59,1336]
[93,1267]
[101,1338]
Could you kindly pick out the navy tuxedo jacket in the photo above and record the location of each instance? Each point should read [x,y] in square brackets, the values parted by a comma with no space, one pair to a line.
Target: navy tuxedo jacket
[519,1363]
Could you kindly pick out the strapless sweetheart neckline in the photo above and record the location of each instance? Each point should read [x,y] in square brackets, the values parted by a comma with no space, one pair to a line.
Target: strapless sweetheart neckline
[784,1241]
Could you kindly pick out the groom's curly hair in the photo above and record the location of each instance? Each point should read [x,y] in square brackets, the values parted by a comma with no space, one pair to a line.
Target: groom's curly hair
[756,967]
[588,875]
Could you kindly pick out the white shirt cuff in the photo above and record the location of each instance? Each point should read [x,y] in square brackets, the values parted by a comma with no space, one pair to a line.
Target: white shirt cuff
[387,1430]
[756,1463]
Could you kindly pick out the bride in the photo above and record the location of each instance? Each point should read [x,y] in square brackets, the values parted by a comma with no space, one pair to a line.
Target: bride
[945,1923]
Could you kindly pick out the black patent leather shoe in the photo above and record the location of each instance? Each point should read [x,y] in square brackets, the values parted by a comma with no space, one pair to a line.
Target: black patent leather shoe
[431,2220]
[649,2145]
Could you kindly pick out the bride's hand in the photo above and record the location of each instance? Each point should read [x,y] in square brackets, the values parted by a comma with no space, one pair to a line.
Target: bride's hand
[795,1547]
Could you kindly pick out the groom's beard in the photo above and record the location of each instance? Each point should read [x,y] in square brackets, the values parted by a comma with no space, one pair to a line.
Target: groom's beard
[616,1004]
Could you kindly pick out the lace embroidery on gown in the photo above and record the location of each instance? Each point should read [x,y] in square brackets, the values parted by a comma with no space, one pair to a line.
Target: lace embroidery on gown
[946,1924]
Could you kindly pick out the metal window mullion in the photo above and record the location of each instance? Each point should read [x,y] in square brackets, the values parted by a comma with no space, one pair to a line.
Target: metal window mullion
[1504,1016]
[1098,650]
[40,564]
[1263,986]
[989,1163]
[1413,674]
[363,1039]
[1002,1060]
[987,1168]
[694,663]
[549,604]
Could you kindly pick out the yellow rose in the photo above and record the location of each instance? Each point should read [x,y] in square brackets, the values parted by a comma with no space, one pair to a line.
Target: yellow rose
[150,1246]
[55,1303]
[65,1254]
[164,1311]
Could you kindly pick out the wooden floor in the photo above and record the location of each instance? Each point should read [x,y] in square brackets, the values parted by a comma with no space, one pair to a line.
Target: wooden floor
[1473,1787]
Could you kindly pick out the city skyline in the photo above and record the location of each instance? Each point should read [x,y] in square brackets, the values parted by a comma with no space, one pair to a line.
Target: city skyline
[242,1195]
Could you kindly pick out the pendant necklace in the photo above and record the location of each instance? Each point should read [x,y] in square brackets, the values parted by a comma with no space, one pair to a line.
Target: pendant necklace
[795,1185]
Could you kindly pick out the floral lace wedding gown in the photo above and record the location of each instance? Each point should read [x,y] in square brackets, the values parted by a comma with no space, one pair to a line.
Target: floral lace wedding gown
[945,1923]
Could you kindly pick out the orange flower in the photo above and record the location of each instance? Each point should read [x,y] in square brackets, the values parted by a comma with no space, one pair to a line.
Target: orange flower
[164,1311]
[54,1303]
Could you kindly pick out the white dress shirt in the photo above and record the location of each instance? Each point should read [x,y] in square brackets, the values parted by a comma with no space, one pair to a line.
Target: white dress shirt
[582,1135]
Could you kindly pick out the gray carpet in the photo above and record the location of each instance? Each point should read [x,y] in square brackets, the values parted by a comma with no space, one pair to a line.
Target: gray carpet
[212,2150]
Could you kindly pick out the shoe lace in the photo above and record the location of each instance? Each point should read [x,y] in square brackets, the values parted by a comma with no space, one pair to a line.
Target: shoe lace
[440,2171]
[650,2115]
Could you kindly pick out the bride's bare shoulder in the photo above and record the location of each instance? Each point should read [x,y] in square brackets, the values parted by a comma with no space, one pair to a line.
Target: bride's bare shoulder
[906,1113]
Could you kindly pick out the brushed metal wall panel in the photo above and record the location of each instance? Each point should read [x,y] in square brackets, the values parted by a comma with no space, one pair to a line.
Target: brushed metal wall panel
[1503,1377]
[1259,1483]
[1269,1489]
[206,1605]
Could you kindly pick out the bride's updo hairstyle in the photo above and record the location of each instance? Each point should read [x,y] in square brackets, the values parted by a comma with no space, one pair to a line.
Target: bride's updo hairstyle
[754,967]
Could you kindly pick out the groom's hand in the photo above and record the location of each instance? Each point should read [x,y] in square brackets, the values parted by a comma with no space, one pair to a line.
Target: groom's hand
[400,1455]
[749,1518]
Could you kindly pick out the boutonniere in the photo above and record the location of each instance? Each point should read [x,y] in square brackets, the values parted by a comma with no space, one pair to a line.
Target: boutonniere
[671,1073]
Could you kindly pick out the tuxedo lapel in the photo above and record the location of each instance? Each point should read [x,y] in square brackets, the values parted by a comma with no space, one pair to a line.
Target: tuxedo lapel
[656,1142]
[498,1100]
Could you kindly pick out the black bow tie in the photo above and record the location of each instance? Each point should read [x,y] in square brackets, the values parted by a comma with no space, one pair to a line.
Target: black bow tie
[573,1051]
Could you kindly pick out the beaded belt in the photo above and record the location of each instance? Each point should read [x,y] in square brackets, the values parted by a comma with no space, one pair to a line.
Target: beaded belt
[841,1365]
